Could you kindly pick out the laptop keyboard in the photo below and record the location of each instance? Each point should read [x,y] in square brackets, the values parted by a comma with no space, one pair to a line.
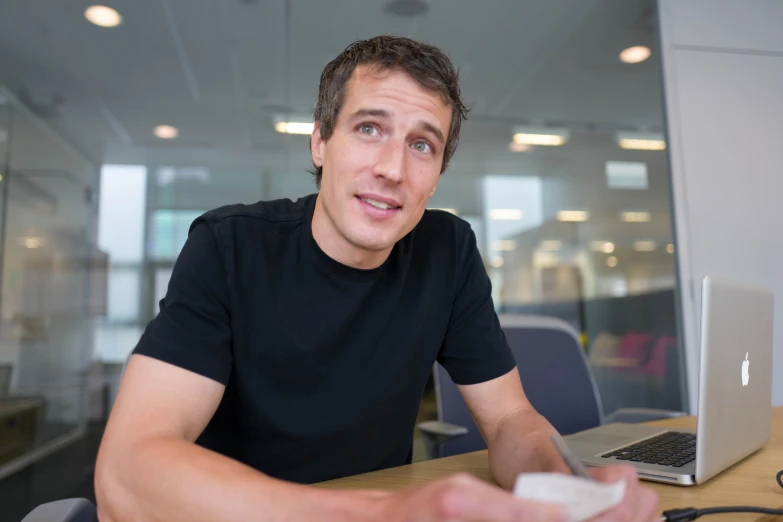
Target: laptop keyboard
[667,449]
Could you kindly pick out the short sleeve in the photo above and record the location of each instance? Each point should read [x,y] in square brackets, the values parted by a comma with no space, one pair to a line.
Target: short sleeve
[475,348]
[193,329]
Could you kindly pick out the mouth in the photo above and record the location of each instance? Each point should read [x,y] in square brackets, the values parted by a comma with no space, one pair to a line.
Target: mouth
[378,206]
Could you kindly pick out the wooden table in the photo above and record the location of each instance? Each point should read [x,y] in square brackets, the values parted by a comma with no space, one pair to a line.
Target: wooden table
[750,482]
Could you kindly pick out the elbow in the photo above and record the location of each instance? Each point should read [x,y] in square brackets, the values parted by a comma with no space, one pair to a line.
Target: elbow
[105,485]
[113,498]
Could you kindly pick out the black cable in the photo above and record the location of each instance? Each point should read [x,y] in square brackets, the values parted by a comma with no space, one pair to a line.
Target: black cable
[681,515]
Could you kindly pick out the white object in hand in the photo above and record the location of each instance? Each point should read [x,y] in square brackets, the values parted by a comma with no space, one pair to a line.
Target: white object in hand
[583,498]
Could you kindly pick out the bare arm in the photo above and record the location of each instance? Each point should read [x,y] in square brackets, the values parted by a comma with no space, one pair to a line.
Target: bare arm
[517,436]
[518,439]
[149,468]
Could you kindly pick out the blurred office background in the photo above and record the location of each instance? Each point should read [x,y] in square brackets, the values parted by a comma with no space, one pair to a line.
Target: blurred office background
[116,133]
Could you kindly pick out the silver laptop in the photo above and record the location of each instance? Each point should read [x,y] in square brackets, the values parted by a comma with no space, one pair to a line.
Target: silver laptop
[735,396]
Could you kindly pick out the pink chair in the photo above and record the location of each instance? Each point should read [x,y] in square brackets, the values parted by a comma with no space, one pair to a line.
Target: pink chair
[656,366]
[635,346]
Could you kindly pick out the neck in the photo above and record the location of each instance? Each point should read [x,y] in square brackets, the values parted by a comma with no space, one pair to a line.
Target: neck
[338,247]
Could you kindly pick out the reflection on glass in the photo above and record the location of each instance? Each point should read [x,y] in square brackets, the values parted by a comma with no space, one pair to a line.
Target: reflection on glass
[49,268]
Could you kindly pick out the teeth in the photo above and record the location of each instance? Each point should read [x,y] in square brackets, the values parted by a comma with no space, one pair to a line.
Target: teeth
[377,204]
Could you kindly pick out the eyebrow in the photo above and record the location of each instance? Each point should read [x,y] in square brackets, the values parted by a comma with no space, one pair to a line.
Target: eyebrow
[381,113]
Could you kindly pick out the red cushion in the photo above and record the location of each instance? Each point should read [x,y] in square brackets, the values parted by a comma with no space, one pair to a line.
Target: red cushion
[657,364]
[636,346]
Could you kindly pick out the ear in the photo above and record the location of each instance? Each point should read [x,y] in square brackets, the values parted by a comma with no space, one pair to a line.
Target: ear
[317,146]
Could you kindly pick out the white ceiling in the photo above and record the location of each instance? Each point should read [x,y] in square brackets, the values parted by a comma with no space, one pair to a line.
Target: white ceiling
[220,69]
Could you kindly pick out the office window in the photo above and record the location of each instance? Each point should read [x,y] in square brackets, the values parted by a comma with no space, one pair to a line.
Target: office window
[168,232]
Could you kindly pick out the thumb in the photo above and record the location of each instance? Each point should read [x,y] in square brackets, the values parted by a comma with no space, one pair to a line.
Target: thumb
[544,511]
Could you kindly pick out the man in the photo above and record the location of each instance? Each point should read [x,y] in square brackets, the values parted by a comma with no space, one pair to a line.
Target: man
[296,337]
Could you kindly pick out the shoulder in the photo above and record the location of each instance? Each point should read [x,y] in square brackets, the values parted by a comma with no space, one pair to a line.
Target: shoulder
[261,214]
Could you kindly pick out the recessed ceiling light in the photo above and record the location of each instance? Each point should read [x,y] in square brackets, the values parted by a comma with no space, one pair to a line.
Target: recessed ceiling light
[546,140]
[611,261]
[166,132]
[670,248]
[572,215]
[506,214]
[289,123]
[519,147]
[30,242]
[497,261]
[640,140]
[294,127]
[644,246]
[606,247]
[638,144]
[635,54]
[545,136]
[635,217]
[103,16]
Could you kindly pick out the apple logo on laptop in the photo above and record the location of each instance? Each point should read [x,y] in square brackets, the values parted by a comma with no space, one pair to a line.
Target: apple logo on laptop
[745,374]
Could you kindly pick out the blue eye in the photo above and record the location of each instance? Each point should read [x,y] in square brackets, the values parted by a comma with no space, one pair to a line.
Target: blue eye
[422,146]
[366,129]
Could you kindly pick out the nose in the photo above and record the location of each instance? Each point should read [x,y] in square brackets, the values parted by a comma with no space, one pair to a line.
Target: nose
[390,162]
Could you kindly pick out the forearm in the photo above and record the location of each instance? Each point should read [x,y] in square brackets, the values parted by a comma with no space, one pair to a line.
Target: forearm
[171,479]
[521,443]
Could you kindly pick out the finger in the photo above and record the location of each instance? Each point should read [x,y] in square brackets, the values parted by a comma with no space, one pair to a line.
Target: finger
[625,473]
[648,505]
[614,473]
[627,509]
[468,499]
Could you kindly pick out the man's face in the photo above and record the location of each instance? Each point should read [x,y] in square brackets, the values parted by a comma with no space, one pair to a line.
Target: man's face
[381,163]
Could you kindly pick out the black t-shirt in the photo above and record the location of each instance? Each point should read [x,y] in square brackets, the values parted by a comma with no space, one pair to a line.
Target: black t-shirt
[324,365]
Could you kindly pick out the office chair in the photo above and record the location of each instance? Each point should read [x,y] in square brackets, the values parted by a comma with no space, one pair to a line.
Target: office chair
[557,380]
[68,510]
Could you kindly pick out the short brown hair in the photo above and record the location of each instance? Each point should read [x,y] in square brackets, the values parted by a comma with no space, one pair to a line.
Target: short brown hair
[426,64]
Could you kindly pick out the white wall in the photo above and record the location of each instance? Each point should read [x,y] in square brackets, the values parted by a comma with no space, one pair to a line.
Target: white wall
[723,81]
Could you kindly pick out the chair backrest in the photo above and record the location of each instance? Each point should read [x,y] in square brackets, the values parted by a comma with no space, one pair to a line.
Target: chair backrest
[554,372]
[67,510]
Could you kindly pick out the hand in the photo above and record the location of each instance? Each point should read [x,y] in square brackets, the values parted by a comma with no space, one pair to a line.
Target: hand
[463,498]
[639,504]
